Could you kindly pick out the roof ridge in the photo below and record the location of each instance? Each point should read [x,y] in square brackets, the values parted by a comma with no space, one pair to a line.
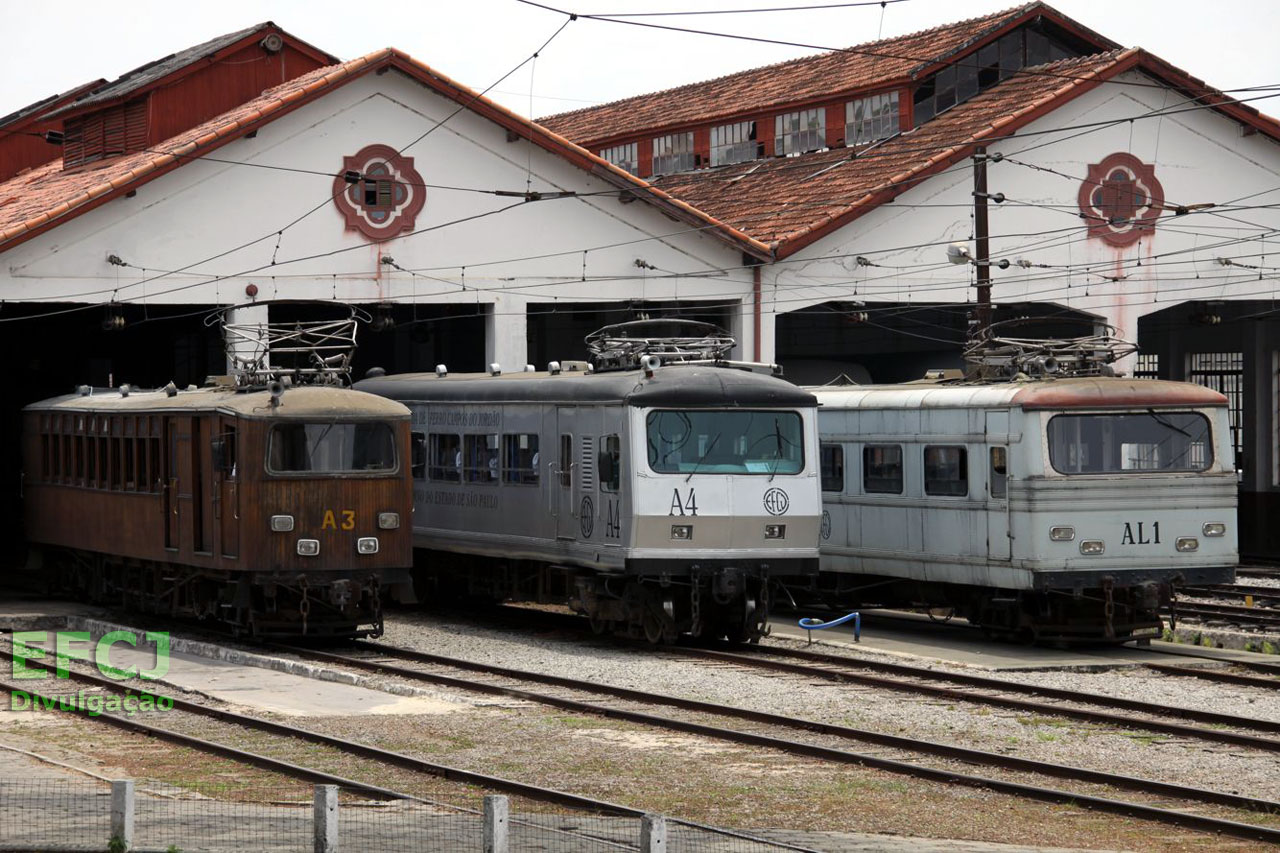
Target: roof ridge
[860,48]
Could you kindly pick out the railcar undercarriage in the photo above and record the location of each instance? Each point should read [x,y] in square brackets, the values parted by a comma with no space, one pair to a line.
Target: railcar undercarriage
[722,603]
[257,604]
[1108,613]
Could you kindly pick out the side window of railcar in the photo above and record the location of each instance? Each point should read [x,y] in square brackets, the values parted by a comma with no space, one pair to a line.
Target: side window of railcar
[610,463]
[832,457]
[520,460]
[882,469]
[418,455]
[999,474]
[946,471]
[480,458]
[446,457]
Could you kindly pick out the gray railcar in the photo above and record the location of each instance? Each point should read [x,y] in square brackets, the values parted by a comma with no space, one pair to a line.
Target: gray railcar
[656,502]
[1059,508]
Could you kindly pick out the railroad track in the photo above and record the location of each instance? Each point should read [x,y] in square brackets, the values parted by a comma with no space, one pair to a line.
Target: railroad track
[1258,571]
[1256,617]
[1270,594]
[772,731]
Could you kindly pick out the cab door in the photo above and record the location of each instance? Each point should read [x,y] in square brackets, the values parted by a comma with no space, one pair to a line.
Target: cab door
[996,466]
[226,487]
[563,473]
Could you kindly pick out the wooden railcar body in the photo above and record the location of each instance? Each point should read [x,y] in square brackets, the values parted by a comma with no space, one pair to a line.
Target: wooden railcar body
[1063,508]
[164,501]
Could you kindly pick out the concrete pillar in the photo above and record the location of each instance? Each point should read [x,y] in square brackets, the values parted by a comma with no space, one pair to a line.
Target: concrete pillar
[245,344]
[506,334]
[325,817]
[768,330]
[122,812]
[497,811]
[653,834]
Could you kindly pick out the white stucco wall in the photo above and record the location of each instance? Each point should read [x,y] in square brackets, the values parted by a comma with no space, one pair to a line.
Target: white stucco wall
[205,231]
[1199,156]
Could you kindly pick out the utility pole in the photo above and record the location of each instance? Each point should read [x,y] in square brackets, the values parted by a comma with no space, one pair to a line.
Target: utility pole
[983,259]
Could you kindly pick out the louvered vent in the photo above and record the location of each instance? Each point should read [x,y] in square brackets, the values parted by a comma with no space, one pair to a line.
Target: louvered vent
[588,464]
[106,133]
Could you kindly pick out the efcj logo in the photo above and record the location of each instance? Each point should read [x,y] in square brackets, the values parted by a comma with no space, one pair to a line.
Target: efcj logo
[31,646]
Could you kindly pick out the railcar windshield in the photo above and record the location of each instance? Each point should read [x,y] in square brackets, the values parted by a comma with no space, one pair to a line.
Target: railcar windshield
[725,442]
[327,448]
[1130,443]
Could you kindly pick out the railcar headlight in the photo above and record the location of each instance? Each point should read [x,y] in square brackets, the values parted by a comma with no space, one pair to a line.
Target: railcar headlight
[683,532]
[775,531]
[367,545]
[308,547]
[1186,544]
[389,520]
[1062,534]
[1214,528]
[1092,547]
[282,523]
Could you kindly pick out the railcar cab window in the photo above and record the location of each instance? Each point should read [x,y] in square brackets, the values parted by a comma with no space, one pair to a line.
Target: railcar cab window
[946,471]
[725,442]
[520,458]
[832,456]
[446,457]
[610,463]
[418,455]
[480,458]
[1133,442]
[331,448]
[882,469]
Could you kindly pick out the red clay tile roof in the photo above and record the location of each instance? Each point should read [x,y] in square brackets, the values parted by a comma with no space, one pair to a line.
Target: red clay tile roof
[46,196]
[789,201]
[826,75]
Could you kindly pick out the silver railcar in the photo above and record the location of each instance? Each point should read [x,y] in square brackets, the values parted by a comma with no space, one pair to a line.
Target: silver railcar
[657,501]
[1057,508]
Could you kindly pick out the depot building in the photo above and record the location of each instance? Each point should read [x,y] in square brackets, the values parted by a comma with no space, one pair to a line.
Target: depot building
[806,206]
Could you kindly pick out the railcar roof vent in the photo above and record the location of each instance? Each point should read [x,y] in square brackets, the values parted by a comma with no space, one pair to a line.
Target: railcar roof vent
[442,371]
[304,341]
[495,369]
[553,367]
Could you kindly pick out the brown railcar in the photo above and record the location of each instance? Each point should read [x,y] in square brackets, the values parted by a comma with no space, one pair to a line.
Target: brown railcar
[277,514]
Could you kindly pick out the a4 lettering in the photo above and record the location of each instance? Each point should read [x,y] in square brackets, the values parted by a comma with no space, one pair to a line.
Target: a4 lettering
[612,523]
[331,520]
[681,506]
[1141,538]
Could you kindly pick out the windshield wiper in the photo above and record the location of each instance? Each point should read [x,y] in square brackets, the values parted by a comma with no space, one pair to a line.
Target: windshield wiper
[1164,422]
[705,454]
[777,453]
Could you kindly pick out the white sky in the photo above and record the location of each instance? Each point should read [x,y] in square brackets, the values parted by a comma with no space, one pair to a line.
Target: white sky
[1227,43]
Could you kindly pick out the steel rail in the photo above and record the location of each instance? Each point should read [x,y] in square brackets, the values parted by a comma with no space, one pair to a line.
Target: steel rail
[1234,591]
[1192,652]
[1216,675]
[1261,616]
[1079,774]
[758,657]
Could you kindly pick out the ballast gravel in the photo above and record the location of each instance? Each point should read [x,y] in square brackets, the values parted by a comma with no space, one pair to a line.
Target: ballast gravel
[1131,751]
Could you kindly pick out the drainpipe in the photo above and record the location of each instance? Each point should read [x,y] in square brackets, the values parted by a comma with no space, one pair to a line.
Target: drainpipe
[755,293]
